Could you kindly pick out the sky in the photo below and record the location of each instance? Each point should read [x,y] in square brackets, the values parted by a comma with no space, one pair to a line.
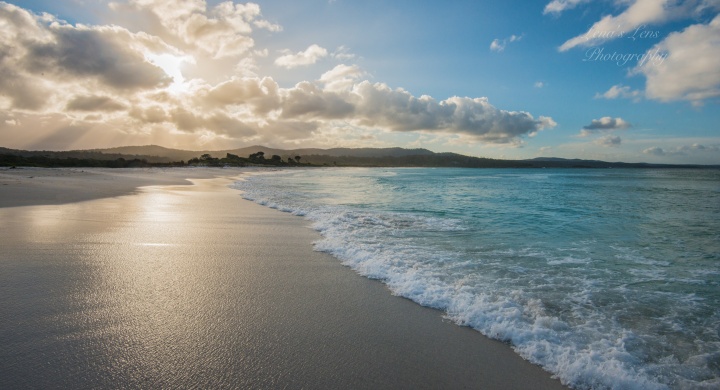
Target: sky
[615,80]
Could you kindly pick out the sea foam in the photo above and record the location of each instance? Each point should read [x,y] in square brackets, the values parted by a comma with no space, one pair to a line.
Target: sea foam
[553,304]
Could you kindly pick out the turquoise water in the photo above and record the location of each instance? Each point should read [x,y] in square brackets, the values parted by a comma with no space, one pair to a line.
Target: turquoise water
[606,278]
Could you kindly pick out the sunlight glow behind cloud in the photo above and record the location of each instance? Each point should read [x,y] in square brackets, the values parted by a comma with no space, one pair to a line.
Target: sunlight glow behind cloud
[172,66]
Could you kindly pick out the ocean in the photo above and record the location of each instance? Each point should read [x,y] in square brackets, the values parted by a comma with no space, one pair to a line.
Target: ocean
[608,278]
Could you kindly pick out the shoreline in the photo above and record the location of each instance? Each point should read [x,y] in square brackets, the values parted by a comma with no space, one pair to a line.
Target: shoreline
[176,285]
[31,186]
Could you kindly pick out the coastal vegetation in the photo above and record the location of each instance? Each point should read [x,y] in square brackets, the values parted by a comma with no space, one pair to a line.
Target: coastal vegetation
[48,161]
[156,156]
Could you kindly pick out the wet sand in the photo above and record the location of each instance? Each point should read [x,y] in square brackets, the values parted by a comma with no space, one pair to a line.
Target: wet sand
[189,286]
[24,186]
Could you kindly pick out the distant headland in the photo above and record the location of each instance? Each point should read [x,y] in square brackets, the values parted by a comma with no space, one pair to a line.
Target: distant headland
[158,156]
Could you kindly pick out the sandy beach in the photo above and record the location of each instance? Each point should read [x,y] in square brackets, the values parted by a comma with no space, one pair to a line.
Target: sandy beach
[167,278]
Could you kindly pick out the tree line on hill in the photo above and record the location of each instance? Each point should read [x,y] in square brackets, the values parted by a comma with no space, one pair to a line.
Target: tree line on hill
[259,159]
[234,160]
[155,156]
[50,161]
[11,160]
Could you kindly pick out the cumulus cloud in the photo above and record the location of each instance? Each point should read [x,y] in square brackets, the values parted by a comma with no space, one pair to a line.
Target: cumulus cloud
[655,151]
[607,123]
[691,70]
[604,124]
[398,110]
[94,103]
[682,150]
[376,105]
[260,95]
[220,123]
[222,31]
[41,54]
[558,6]
[363,104]
[500,44]
[149,115]
[341,77]
[620,91]
[130,85]
[699,148]
[264,24]
[307,101]
[100,52]
[22,91]
[310,56]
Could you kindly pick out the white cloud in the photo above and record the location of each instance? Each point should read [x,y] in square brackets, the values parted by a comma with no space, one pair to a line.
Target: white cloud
[682,150]
[604,124]
[639,13]
[692,69]
[76,86]
[500,44]
[635,19]
[655,151]
[221,32]
[607,123]
[342,53]
[367,105]
[267,25]
[258,95]
[45,60]
[558,6]
[699,148]
[497,45]
[341,77]
[685,65]
[398,110]
[94,103]
[620,91]
[307,101]
[539,84]
[342,72]
[303,58]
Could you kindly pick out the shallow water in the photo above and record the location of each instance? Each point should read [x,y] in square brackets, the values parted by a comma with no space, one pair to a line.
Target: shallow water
[607,278]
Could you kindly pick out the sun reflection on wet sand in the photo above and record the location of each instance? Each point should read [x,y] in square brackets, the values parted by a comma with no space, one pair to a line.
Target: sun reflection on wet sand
[193,287]
[131,281]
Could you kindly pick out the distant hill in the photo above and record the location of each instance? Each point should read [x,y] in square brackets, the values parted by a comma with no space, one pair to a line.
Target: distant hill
[95,154]
[153,153]
[555,162]
[336,152]
[177,154]
[366,157]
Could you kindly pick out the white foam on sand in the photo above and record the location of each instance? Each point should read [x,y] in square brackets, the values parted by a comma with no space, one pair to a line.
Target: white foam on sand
[589,353]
